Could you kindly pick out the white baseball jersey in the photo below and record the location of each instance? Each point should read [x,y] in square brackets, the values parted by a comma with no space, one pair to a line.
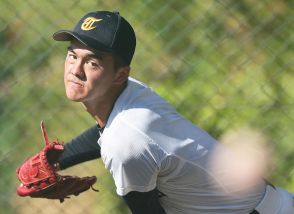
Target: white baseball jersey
[146,144]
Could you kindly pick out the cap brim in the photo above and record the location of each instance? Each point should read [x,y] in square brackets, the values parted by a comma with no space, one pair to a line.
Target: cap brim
[67,35]
[64,35]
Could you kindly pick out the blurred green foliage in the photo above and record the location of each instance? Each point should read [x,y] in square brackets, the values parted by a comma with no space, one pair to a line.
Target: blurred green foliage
[223,64]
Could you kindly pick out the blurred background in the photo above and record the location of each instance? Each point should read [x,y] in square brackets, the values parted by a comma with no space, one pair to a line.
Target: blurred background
[223,64]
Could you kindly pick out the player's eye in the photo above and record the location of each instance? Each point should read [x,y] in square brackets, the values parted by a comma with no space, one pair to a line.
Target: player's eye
[93,64]
[71,57]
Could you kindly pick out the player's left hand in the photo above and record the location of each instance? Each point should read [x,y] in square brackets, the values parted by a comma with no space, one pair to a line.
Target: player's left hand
[39,177]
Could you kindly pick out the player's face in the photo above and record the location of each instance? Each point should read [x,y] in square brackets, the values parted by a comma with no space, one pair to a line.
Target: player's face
[88,77]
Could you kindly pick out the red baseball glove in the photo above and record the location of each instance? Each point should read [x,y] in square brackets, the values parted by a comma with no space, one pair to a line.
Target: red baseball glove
[39,178]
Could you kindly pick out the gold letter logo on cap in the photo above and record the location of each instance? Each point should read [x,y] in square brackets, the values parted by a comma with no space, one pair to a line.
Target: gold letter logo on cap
[89,22]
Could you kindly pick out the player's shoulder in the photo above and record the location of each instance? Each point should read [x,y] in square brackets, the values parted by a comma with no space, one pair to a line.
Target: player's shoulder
[137,95]
[138,106]
[125,142]
[130,126]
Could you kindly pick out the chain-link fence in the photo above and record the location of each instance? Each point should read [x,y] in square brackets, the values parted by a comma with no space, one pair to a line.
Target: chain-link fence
[223,64]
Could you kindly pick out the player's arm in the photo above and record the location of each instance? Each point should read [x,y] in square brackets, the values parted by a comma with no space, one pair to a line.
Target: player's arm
[144,202]
[80,149]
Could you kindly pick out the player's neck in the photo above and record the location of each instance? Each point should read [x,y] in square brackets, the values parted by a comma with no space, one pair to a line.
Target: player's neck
[101,108]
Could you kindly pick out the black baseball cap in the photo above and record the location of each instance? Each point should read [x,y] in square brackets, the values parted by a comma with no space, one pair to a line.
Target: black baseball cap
[103,31]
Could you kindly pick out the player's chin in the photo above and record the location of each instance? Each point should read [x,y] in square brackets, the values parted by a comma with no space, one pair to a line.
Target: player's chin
[74,96]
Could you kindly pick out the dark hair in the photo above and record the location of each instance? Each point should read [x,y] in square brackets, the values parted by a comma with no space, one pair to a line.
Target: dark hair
[118,62]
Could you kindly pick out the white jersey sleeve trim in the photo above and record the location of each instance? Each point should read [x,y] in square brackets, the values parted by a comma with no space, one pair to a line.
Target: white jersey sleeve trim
[126,190]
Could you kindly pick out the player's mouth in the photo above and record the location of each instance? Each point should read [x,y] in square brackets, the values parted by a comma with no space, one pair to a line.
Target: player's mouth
[76,84]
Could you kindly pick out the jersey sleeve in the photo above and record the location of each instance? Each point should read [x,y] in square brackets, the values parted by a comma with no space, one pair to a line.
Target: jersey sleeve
[133,161]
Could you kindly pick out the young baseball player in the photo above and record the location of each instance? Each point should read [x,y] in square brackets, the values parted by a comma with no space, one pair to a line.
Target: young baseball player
[160,162]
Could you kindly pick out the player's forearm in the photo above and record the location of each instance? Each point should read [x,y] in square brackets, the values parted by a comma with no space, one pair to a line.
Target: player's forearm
[80,149]
[144,202]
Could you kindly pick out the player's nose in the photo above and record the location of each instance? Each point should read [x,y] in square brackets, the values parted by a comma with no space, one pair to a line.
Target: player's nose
[77,69]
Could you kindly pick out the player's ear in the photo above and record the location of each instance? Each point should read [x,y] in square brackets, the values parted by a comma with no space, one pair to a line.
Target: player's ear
[122,74]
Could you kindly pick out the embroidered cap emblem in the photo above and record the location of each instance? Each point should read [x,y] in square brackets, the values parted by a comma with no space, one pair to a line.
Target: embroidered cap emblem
[89,22]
